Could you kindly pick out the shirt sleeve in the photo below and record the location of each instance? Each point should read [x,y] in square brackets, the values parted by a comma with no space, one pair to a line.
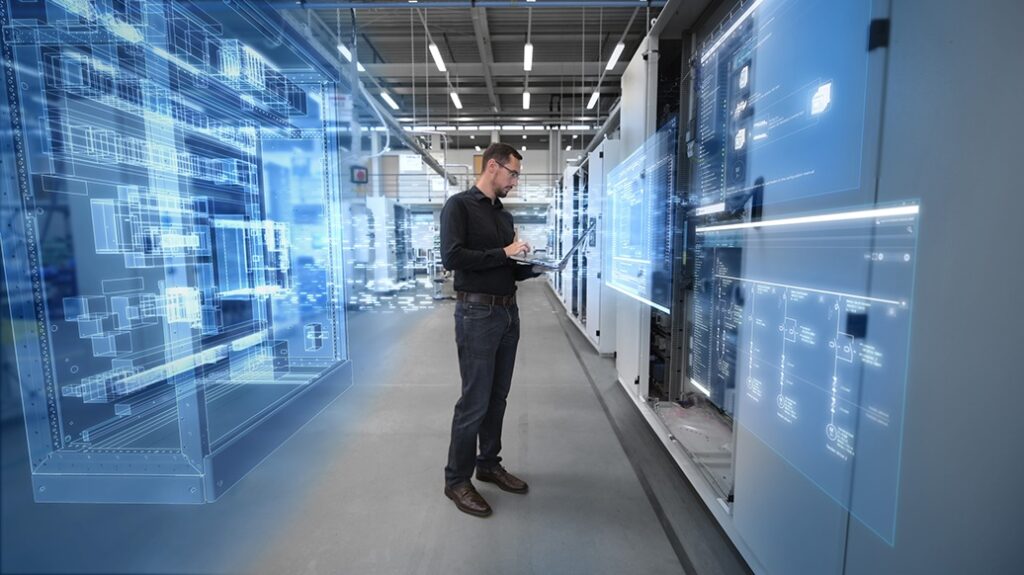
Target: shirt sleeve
[524,272]
[454,253]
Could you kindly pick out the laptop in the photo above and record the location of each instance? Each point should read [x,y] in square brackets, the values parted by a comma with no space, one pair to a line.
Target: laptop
[550,262]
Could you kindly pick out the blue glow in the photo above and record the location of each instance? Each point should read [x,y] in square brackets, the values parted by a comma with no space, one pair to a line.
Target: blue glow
[796,128]
[174,257]
[790,335]
[639,204]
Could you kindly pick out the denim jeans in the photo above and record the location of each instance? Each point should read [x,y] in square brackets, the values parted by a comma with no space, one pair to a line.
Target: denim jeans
[487,337]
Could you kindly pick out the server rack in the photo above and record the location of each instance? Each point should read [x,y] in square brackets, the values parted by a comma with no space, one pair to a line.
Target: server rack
[173,255]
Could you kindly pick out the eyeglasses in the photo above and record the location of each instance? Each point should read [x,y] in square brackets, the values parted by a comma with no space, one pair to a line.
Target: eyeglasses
[515,174]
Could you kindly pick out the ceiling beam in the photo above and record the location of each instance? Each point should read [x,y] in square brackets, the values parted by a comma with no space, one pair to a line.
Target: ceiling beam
[405,4]
[400,39]
[407,89]
[561,69]
[483,45]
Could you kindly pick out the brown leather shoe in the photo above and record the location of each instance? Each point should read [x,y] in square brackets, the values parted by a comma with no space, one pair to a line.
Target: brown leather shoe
[503,479]
[467,499]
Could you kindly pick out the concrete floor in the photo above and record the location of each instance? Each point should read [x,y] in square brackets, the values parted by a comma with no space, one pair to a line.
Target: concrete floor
[359,489]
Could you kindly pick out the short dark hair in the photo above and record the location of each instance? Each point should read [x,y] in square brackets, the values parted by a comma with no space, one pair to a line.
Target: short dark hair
[499,153]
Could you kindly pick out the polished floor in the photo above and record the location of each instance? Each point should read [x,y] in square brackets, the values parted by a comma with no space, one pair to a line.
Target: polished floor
[359,489]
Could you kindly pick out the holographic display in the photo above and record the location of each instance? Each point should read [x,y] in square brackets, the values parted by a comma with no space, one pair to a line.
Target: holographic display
[640,193]
[782,95]
[808,350]
[171,212]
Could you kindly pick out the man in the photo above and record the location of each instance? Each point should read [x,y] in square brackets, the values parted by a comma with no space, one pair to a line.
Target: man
[477,240]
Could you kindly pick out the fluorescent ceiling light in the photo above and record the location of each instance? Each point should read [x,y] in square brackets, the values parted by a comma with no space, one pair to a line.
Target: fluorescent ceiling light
[528,56]
[437,58]
[456,100]
[615,55]
[508,127]
[477,148]
[391,101]
[568,148]
[348,56]
[578,127]
[485,128]
[593,100]
[526,100]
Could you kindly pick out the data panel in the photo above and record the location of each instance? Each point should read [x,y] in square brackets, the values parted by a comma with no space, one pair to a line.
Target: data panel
[788,339]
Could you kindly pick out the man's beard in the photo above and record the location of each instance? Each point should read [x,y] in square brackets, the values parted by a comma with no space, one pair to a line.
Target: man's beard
[502,192]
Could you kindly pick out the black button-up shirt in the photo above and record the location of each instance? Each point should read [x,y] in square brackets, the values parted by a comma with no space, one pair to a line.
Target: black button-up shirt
[474,233]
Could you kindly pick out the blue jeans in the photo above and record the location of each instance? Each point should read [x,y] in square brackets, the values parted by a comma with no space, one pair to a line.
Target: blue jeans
[487,337]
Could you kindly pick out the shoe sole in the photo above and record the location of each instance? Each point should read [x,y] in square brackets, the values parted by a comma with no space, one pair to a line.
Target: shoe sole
[522,491]
[466,509]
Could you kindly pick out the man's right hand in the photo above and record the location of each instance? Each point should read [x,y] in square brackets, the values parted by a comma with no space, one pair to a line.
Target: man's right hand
[517,248]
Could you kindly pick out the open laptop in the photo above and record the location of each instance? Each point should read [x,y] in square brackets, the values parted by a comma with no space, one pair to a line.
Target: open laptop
[550,262]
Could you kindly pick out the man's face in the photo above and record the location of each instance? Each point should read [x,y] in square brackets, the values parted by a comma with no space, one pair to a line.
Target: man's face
[506,176]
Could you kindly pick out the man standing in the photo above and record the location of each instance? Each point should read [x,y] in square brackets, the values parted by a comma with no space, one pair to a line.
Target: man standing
[477,240]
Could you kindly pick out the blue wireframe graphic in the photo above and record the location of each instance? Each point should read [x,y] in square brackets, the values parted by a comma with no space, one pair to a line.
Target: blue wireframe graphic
[171,216]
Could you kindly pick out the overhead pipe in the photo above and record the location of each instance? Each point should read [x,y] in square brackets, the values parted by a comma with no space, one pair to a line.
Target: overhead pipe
[370,4]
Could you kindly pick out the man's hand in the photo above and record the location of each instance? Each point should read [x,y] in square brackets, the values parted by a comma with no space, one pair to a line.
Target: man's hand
[517,248]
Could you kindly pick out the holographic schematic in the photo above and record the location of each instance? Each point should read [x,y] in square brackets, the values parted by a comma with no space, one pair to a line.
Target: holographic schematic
[808,350]
[170,212]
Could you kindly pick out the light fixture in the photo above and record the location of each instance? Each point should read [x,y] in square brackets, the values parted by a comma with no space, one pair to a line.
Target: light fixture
[593,100]
[387,98]
[526,100]
[437,58]
[615,55]
[456,100]
[523,148]
[574,136]
[472,137]
[568,148]
[477,148]
[524,136]
[528,56]
[348,56]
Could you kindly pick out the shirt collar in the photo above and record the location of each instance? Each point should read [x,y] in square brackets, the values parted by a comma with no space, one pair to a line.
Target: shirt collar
[478,195]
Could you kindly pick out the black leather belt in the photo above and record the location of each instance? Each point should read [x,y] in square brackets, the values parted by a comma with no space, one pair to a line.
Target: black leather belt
[504,300]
